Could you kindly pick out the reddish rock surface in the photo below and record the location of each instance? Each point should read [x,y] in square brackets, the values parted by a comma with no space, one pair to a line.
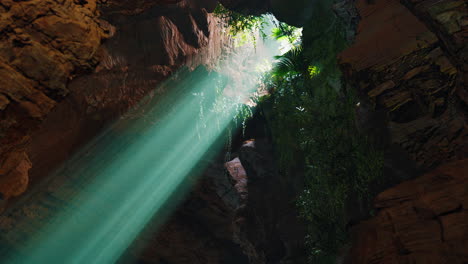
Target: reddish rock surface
[43,45]
[49,100]
[144,51]
[148,41]
[202,229]
[400,67]
[408,64]
[419,221]
[59,87]
[448,20]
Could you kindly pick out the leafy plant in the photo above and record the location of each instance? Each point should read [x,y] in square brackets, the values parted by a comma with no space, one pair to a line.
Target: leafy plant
[285,31]
[313,71]
[239,23]
[290,63]
[338,162]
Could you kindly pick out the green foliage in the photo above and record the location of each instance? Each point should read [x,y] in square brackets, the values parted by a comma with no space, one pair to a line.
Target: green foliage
[289,64]
[312,122]
[285,31]
[313,71]
[341,165]
[239,23]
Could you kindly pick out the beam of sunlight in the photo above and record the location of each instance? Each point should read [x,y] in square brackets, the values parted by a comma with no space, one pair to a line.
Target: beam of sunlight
[132,172]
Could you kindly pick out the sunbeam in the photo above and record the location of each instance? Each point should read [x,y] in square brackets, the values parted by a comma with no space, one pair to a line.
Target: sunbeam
[134,172]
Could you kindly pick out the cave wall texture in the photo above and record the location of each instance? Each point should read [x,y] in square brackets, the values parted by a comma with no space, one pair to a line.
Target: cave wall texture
[61,84]
[69,67]
[80,83]
[43,44]
[408,63]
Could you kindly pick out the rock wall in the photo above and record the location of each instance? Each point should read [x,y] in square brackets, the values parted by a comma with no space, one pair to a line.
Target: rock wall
[43,45]
[408,64]
[60,84]
[202,229]
[268,227]
[419,221]
[145,43]
[145,50]
[401,68]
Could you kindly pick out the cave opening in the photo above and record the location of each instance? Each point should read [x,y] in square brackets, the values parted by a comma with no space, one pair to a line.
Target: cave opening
[233,131]
[141,167]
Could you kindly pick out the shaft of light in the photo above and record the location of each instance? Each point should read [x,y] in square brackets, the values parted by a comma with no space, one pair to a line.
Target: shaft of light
[128,181]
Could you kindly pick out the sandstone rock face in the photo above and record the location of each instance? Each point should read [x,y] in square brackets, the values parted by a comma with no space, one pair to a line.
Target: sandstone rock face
[419,221]
[267,227]
[43,45]
[241,217]
[144,51]
[405,71]
[202,229]
[447,19]
[147,42]
[49,100]
[16,167]
[408,65]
